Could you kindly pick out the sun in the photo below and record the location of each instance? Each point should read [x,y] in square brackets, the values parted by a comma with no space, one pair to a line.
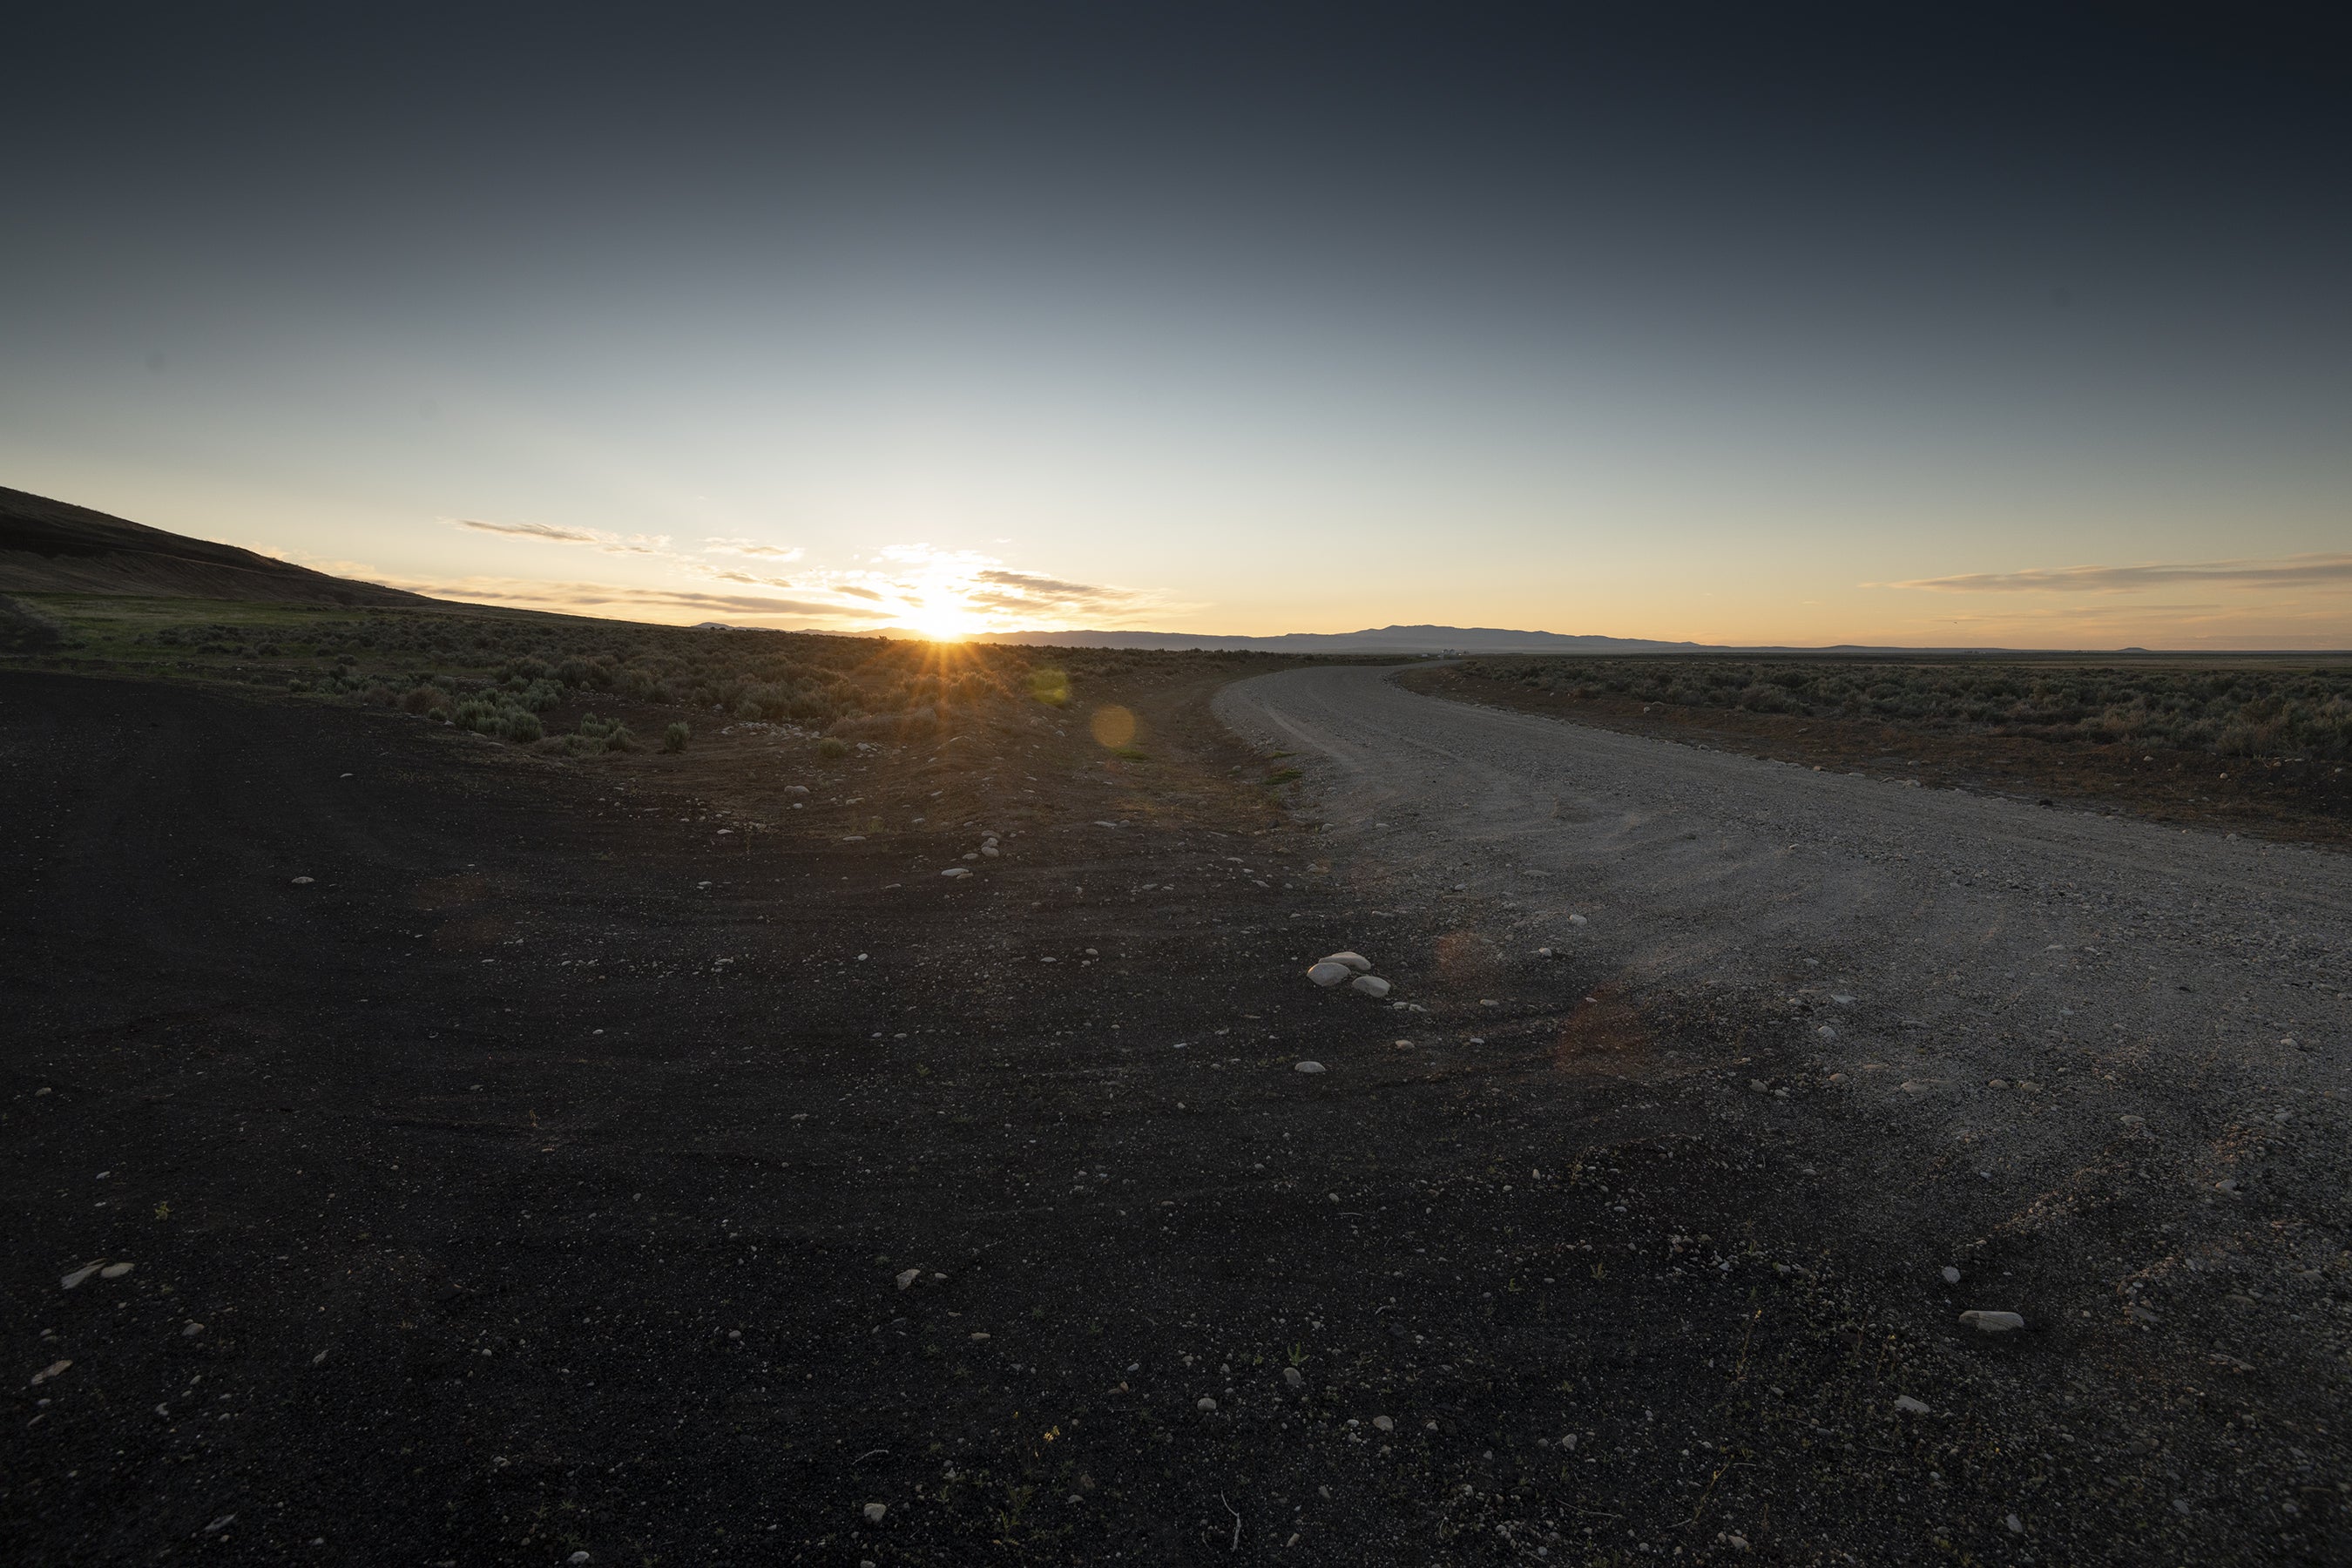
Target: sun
[942,623]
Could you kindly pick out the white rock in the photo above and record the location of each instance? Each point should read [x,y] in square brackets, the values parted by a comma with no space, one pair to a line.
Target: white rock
[1383,1423]
[1826,1033]
[1993,1323]
[1328,974]
[1206,1403]
[1369,984]
[78,1275]
[1951,1275]
[2016,1525]
[1355,961]
[116,1270]
[875,1510]
[1909,1405]
[304,881]
[1543,952]
[1308,1067]
[1293,1377]
[577,1558]
[907,1278]
[956,871]
[1576,920]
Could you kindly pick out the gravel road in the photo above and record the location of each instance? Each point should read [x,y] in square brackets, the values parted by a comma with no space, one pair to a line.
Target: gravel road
[2116,1046]
[1978,939]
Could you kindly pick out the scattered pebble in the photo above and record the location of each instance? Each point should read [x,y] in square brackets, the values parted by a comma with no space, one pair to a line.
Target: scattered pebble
[1355,961]
[1992,1322]
[1293,1377]
[1328,974]
[907,1278]
[1308,1067]
[48,1372]
[954,872]
[1383,1423]
[116,1270]
[1206,1403]
[1909,1405]
[78,1275]
[875,1510]
[1369,984]
[1576,920]
[303,881]
[1951,1275]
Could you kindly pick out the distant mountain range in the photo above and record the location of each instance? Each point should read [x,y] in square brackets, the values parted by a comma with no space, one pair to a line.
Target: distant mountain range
[1384,639]
[55,547]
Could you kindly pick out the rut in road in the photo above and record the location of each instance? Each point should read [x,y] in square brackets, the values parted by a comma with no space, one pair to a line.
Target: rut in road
[1948,940]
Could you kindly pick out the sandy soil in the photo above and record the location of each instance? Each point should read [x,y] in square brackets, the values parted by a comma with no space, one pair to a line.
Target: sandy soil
[539,1176]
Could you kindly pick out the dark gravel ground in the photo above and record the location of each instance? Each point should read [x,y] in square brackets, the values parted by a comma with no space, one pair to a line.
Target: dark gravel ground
[538,1179]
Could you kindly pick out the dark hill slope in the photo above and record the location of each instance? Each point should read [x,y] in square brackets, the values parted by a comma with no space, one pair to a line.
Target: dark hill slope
[52,547]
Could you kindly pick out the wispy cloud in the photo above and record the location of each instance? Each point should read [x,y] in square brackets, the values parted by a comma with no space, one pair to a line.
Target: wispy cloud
[548,533]
[752,547]
[1028,585]
[2323,570]
[591,597]
[748,577]
[939,590]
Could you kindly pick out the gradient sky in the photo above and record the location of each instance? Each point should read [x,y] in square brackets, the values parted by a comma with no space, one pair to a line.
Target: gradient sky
[1746,323]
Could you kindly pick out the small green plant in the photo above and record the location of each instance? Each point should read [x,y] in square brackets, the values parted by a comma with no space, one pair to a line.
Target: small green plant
[832,748]
[675,738]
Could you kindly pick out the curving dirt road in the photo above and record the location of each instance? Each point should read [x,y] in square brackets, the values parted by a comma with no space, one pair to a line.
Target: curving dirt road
[1977,939]
[2003,1030]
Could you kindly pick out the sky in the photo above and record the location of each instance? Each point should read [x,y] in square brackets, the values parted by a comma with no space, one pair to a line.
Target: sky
[1937,326]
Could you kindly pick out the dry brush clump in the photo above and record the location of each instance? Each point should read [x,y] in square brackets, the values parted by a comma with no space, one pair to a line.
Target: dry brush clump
[502,676]
[2268,712]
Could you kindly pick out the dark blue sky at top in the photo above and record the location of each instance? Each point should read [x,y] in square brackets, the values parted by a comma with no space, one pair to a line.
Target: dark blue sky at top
[2067,230]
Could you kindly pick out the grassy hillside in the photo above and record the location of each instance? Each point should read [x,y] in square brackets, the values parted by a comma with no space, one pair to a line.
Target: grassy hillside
[55,547]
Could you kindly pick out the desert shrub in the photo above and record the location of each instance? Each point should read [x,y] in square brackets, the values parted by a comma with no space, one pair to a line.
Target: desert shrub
[606,735]
[832,749]
[675,738]
[2262,711]
[24,628]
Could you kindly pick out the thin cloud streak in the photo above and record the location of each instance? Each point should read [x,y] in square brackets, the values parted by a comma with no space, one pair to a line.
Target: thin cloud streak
[548,533]
[539,595]
[753,547]
[2320,570]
